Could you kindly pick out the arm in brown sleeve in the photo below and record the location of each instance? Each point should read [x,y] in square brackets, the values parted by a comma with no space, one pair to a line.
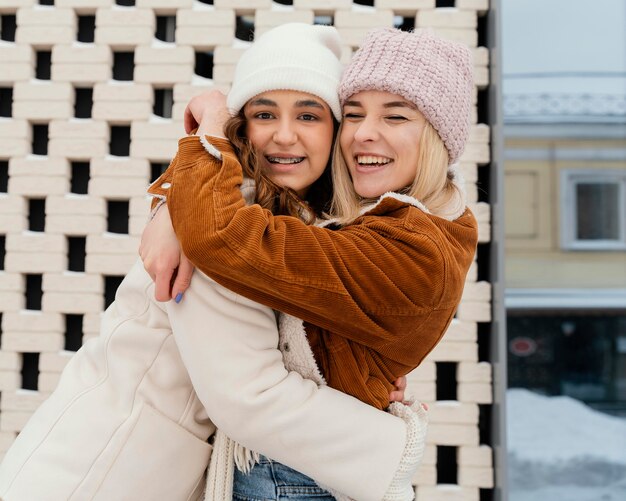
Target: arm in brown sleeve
[358,282]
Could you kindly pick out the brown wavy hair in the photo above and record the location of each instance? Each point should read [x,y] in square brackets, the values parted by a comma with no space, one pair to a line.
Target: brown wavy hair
[278,199]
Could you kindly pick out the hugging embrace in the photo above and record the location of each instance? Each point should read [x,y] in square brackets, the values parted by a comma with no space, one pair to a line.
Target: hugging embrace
[330,239]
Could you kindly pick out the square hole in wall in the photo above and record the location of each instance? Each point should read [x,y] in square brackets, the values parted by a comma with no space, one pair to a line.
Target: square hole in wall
[117,216]
[163,102]
[8,26]
[204,64]
[156,169]
[244,28]
[111,283]
[43,65]
[39,146]
[36,214]
[80,178]
[30,371]
[447,467]
[123,66]
[83,102]
[3,250]
[34,292]
[446,380]
[6,101]
[120,140]
[73,332]
[166,28]
[86,29]
[76,253]
[4,176]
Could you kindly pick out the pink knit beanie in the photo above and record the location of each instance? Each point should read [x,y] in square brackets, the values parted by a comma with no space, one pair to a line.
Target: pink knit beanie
[433,73]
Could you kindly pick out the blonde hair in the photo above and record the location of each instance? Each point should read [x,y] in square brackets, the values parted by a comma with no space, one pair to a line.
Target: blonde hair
[277,199]
[433,185]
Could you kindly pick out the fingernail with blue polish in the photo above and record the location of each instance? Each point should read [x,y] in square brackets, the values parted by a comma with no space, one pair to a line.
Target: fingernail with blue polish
[178,297]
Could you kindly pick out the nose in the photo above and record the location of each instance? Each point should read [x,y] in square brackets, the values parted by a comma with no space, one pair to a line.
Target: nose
[285,134]
[367,130]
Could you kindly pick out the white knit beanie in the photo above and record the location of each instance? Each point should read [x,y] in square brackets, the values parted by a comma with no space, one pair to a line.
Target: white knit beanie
[293,56]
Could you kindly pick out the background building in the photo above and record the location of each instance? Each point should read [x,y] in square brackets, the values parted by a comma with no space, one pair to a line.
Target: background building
[564,85]
[92,94]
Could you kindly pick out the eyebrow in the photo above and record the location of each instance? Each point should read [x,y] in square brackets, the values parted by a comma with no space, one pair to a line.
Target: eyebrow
[390,104]
[305,103]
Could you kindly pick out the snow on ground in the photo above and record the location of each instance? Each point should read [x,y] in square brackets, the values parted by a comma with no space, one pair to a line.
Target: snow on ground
[560,449]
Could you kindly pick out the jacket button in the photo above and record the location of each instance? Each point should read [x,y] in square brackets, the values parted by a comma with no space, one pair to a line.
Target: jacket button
[165,186]
[286,347]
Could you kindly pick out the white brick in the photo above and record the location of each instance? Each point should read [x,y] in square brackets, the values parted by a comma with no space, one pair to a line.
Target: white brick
[14,128]
[6,437]
[38,186]
[112,188]
[15,72]
[9,361]
[35,242]
[36,165]
[461,331]
[421,391]
[481,6]
[91,324]
[45,36]
[12,5]
[164,6]
[243,6]
[206,19]
[73,282]
[471,476]
[22,400]
[48,381]
[446,18]
[467,36]
[484,233]
[45,17]
[29,342]
[478,291]
[110,264]
[454,351]
[322,6]
[136,224]
[33,110]
[121,112]
[425,475]
[452,434]
[453,412]
[11,282]
[227,55]
[33,321]
[468,372]
[475,456]
[54,362]
[202,38]
[447,493]
[76,224]
[13,421]
[163,74]
[12,204]
[112,243]
[477,152]
[27,262]
[82,74]
[120,167]
[79,129]
[122,16]
[167,54]
[72,303]
[480,393]
[82,53]
[122,91]
[474,311]
[12,222]
[272,18]
[84,6]
[42,90]
[426,371]
[405,7]
[75,204]
[364,20]
[140,206]
[124,37]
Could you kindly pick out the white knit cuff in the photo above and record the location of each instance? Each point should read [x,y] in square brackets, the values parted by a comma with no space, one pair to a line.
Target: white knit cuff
[416,419]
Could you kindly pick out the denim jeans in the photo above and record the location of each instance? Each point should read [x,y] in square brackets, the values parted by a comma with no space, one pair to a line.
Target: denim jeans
[272,481]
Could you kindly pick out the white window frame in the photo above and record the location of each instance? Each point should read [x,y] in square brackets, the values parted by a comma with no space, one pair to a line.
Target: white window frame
[569,179]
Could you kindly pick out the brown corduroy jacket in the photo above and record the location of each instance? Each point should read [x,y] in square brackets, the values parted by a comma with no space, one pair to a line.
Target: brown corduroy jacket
[376,295]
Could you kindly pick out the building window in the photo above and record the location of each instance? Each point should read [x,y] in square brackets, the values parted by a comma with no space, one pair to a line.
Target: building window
[593,209]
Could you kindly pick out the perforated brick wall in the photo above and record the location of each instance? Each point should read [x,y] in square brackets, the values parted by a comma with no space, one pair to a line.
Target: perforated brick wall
[92,94]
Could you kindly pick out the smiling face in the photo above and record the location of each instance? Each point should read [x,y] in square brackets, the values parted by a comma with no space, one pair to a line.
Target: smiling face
[379,141]
[292,133]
